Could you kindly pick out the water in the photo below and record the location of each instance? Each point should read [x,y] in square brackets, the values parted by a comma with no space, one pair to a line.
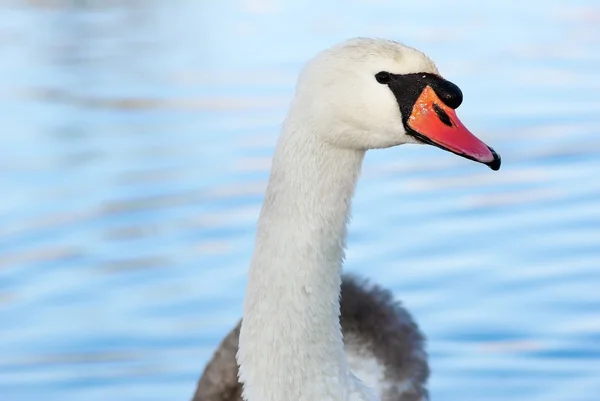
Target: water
[135,147]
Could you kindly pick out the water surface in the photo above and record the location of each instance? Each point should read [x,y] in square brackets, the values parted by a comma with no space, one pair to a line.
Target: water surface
[135,146]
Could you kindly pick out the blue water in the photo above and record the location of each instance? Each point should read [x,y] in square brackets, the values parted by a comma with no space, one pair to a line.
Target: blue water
[134,151]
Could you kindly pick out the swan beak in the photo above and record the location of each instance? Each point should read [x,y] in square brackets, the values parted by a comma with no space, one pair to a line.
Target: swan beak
[435,123]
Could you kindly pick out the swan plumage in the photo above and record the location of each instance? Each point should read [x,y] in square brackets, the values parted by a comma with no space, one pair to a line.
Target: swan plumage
[296,340]
[381,340]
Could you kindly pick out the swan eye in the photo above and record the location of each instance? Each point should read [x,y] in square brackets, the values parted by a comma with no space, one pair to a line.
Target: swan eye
[383,77]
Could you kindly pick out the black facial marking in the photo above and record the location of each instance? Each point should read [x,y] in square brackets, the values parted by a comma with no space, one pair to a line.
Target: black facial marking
[408,87]
[383,77]
[442,115]
[448,93]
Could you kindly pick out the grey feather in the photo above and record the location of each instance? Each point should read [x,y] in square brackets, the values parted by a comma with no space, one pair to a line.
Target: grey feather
[372,321]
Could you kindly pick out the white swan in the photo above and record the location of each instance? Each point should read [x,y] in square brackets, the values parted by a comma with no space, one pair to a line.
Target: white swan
[359,95]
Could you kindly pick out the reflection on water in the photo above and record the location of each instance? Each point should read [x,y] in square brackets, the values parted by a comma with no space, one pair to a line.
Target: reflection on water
[136,144]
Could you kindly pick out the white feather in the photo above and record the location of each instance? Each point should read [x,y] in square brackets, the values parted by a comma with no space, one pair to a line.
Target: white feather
[291,344]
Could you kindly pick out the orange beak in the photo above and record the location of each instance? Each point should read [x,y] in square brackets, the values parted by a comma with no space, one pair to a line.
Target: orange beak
[437,124]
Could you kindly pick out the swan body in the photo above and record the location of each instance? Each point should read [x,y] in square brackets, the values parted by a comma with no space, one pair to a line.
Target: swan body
[359,95]
[382,343]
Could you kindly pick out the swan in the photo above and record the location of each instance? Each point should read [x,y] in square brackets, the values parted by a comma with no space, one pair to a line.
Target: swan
[308,332]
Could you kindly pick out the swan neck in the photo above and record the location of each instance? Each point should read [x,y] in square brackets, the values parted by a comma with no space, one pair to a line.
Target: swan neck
[291,344]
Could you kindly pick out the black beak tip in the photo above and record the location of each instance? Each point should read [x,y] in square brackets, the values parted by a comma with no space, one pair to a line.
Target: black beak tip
[495,164]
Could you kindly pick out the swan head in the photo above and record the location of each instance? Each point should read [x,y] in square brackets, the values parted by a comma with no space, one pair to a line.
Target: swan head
[374,93]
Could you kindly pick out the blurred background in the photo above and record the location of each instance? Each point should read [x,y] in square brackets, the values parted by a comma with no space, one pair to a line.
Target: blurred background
[135,145]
